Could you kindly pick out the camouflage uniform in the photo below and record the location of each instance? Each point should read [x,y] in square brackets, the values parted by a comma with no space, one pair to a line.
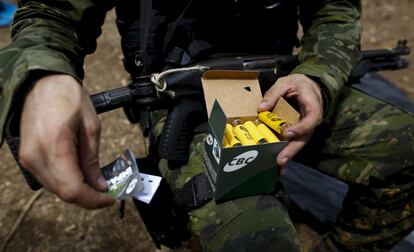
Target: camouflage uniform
[369,144]
[55,36]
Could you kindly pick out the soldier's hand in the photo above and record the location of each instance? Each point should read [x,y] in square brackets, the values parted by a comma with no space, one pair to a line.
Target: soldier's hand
[308,96]
[60,135]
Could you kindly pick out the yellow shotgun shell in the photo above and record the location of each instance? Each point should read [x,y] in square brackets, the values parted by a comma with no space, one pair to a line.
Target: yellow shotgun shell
[255,133]
[230,137]
[266,132]
[242,133]
[273,121]
[225,142]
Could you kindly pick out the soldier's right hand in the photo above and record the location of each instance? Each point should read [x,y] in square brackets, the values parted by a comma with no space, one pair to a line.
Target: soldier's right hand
[60,135]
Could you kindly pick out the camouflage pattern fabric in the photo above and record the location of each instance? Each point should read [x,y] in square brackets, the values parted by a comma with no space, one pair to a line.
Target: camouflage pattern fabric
[55,36]
[370,146]
[258,223]
[330,45]
[47,37]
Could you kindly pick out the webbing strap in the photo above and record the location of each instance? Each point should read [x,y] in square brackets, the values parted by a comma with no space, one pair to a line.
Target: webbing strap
[171,31]
[145,23]
[146,12]
[195,193]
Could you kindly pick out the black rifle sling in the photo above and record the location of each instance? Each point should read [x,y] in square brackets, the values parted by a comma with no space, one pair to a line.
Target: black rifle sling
[170,33]
[145,23]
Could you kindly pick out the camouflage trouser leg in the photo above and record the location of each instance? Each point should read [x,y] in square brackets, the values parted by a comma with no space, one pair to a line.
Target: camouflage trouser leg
[370,146]
[257,223]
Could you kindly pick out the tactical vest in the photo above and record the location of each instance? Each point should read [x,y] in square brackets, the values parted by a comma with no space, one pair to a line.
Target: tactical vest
[183,31]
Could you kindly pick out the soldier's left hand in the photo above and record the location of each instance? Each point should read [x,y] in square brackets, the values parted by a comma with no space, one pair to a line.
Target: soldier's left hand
[307,94]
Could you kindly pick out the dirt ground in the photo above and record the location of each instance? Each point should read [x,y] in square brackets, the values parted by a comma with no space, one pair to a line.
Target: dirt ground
[52,225]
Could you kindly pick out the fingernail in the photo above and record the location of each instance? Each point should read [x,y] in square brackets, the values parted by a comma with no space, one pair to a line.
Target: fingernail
[263,104]
[102,182]
[289,134]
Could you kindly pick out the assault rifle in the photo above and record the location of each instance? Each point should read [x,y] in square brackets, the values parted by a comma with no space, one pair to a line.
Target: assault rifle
[186,99]
[142,91]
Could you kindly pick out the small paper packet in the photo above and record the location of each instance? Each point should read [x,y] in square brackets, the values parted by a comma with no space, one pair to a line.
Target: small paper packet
[122,176]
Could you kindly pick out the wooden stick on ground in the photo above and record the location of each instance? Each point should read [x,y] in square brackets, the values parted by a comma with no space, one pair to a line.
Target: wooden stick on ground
[19,220]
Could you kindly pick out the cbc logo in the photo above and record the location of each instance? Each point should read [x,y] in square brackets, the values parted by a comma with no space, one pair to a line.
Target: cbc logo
[240,161]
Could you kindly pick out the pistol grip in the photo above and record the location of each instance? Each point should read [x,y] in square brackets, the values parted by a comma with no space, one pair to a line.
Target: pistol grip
[177,133]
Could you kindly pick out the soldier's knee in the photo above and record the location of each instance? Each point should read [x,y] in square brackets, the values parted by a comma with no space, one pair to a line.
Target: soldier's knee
[273,239]
[257,223]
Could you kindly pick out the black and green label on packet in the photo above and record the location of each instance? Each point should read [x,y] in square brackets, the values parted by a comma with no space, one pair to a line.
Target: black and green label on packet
[122,176]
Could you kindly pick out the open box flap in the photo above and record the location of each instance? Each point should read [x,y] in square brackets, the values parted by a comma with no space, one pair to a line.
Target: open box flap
[218,121]
[237,92]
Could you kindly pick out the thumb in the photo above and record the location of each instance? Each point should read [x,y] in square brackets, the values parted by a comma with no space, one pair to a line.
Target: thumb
[272,96]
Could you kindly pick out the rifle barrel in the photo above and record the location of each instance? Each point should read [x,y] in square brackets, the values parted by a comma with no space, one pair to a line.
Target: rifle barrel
[389,65]
[400,50]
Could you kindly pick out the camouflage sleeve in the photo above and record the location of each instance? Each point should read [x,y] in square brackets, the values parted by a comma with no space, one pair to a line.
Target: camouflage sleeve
[330,45]
[47,37]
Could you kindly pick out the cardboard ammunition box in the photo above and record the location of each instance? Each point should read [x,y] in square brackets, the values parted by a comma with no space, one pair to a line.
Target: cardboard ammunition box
[241,171]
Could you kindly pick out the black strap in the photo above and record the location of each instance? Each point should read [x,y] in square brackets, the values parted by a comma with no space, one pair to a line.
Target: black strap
[177,56]
[195,193]
[171,31]
[180,57]
[146,13]
[197,47]
[145,23]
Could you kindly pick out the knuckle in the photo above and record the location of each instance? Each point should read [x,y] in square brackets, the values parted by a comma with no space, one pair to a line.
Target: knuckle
[48,139]
[319,119]
[93,129]
[290,152]
[92,165]
[280,82]
[284,78]
[268,94]
[271,93]
[286,152]
[69,194]
[26,158]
